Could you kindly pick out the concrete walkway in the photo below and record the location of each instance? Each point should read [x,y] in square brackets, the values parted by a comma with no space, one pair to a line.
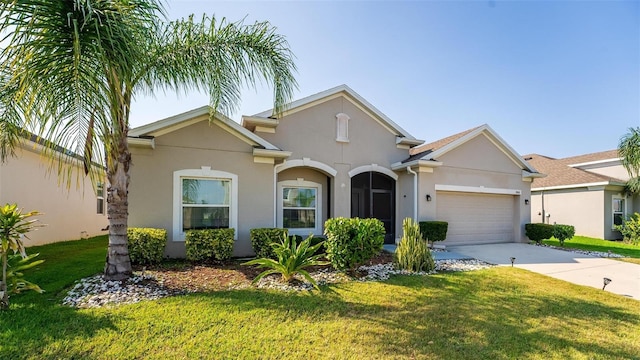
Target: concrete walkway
[437,255]
[564,265]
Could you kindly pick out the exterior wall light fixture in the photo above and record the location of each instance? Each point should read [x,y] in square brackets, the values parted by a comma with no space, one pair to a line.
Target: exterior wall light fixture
[428,197]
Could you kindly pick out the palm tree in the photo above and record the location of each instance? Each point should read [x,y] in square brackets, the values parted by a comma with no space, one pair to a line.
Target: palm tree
[72,67]
[629,151]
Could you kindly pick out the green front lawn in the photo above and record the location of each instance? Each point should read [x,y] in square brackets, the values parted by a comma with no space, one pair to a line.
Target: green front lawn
[498,313]
[592,244]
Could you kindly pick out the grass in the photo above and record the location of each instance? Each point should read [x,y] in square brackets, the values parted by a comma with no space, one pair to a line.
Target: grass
[498,313]
[592,244]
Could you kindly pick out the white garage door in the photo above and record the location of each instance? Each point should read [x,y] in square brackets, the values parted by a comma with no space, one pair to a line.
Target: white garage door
[476,218]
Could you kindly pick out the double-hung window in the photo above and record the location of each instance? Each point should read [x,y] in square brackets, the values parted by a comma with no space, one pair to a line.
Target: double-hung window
[205,203]
[300,207]
[203,199]
[618,210]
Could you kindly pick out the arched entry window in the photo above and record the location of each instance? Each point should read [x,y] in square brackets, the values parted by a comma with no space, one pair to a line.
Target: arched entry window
[373,196]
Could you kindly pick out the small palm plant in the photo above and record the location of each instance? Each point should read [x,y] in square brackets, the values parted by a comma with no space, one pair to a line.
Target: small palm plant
[14,225]
[292,259]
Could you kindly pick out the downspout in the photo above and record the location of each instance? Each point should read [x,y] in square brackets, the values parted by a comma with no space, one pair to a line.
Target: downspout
[275,193]
[543,212]
[415,193]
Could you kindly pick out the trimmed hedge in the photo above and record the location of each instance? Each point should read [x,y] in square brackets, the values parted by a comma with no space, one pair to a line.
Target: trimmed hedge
[262,238]
[146,245]
[352,242]
[209,244]
[538,232]
[563,232]
[434,230]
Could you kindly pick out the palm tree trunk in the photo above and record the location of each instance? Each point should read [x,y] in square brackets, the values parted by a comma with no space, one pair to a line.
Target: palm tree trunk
[118,264]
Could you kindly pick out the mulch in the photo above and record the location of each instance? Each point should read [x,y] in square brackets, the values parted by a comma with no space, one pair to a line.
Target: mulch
[181,275]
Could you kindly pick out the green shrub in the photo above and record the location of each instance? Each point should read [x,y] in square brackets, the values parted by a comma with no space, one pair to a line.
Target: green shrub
[434,230]
[352,242]
[292,258]
[262,238]
[209,244]
[146,245]
[538,232]
[413,252]
[630,229]
[563,232]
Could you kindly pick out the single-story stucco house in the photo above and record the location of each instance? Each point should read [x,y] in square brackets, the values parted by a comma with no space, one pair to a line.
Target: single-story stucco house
[331,154]
[67,213]
[586,191]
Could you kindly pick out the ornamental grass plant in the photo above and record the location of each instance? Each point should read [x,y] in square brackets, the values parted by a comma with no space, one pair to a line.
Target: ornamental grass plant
[413,252]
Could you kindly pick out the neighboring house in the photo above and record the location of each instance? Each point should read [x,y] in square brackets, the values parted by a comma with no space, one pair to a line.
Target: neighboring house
[68,213]
[331,154]
[586,191]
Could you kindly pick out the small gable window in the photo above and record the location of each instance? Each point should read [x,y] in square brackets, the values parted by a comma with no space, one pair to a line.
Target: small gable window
[342,125]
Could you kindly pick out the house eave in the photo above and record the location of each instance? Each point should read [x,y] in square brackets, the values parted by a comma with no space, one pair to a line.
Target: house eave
[148,143]
[270,153]
[532,175]
[400,140]
[575,186]
[400,166]
[251,122]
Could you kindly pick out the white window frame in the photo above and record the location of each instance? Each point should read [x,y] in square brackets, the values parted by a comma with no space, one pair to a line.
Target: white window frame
[205,173]
[301,183]
[100,198]
[613,212]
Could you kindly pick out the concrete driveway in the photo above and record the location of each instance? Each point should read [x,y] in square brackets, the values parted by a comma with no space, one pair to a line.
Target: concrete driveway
[563,265]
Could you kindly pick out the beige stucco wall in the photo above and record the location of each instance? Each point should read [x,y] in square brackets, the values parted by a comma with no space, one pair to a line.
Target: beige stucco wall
[311,133]
[614,170]
[192,147]
[69,214]
[578,207]
[588,210]
[477,163]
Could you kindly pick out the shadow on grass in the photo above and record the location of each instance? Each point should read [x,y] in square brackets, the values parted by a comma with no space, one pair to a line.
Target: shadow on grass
[464,316]
[27,329]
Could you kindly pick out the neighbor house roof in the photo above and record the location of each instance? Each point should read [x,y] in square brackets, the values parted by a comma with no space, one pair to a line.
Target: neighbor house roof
[434,150]
[341,90]
[593,157]
[560,173]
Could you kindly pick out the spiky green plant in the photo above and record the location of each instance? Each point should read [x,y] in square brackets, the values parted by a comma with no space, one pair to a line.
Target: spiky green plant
[292,259]
[16,264]
[14,225]
[413,253]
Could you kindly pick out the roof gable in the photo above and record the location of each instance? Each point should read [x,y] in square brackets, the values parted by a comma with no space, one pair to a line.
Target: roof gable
[327,95]
[433,151]
[176,122]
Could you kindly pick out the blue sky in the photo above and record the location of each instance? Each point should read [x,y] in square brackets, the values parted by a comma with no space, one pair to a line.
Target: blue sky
[554,78]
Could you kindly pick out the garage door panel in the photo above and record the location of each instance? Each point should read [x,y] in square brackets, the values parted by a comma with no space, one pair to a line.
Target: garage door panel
[476,218]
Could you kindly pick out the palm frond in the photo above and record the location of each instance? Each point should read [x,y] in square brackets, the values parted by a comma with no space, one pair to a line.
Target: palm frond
[221,57]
